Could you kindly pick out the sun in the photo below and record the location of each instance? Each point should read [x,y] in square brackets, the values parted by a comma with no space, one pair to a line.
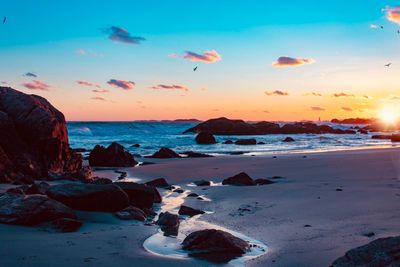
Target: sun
[389,115]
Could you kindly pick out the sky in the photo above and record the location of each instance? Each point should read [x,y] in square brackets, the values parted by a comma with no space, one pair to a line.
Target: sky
[256,60]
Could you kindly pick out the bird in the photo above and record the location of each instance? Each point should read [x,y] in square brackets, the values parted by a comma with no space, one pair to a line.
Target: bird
[195,68]
[381,27]
[388,65]
[4,19]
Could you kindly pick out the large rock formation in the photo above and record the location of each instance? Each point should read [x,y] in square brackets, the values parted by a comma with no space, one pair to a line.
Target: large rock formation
[33,139]
[224,126]
[114,155]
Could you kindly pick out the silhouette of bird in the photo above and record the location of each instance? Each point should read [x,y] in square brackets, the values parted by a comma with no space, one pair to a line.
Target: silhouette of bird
[195,68]
[4,20]
[381,27]
[388,65]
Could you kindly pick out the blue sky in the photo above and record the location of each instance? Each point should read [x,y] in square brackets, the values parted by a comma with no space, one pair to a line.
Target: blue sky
[45,37]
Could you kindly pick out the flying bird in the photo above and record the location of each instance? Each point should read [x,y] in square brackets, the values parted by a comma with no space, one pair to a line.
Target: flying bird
[388,65]
[195,68]
[4,19]
[381,27]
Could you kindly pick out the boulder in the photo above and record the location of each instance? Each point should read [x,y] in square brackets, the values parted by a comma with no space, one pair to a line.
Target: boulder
[202,183]
[114,155]
[131,213]
[31,210]
[165,153]
[169,223]
[33,139]
[90,197]
[160,182]
[140,195]
[205,138]
[380,252]
[37,188]
[215,245]
[135,145]
[246,142]
[288,139]
[185,210]
[227,142]
[239,179]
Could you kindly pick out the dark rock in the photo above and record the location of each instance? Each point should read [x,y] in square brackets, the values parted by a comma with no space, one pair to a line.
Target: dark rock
[202,183]
[140,195]
[99,180]
[38,188]
[339,189]
[33,139]
[227,142]
[362,131]
[16,190]
[80,150]
[237,152]
[192,195]
[246,142]
[261,143]
[200,198]
[382,136]
[354,121]
[215,245]
[114,155]
[185,210]
[369,234]
[205,138]
[380,252]
[169,223]
[288,139]
[135,145]
[191,154]
[160,182]
[63,225]
[178,190]
[165,153]
[395,138]
[263,181]
[223,126]
[90,197]
[131,213]
[239,179]
[31,210]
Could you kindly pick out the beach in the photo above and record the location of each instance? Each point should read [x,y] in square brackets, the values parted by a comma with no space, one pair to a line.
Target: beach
[319,206]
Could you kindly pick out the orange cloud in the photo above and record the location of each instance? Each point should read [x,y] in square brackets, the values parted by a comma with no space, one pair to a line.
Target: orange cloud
[347,109]
[99,98]
[292,62]
[36,85]
[126,85]
[170,87]
[277,92]
[342,95]
[317,109]
[89,84]
[100,91]
[211,56]
[393,14]
[312,94]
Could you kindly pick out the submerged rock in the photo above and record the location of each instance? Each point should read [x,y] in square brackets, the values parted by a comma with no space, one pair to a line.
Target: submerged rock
[205,138]
[202,183]
[185,210]
[165,153]
[90,197]
[169,223]
[288,139]
[246,142]
[131,213]
[263,181]
[239,179]
[114,155]
[215,245]
[380,252]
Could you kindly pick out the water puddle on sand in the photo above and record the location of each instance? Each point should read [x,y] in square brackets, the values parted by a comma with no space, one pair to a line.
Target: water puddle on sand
[169,246]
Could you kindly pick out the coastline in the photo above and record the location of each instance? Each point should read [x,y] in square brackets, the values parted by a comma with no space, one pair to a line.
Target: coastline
[275,214]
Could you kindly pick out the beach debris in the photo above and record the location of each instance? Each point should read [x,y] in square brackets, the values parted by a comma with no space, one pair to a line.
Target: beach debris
[215,245]
[205,138]
[131,213]
[169,223]
[186,210]
[114,155]
[165,153]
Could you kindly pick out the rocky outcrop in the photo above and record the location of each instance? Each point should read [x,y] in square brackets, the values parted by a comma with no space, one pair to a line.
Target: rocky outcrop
[185,210]
[140,195]
[205,138]
[380,252]
[239,179]
[31,210]
[224,126]
[90,197]
[215,245]
[114,155]
[33,139]
[165,153]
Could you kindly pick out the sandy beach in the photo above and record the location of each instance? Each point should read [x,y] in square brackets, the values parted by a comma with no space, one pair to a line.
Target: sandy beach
[342,197]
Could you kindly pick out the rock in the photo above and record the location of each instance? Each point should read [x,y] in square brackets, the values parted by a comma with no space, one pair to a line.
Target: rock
[114,155]
[16,190]
[160,182]
[169,223]
[215,245]
[382,136]
[288,139]
[395,138]
[354,121]
[99,180]
[33,139]
[140,195]
[165,153]
[202,183]
[205,138]
[135,145]
[63,225]
[131,213]
[261,143]
[239,179]
[191,154]
[192,195]
[380,252]
[80,150]
[185,210]
[31,210]
[246,142]
[227,142]
[90,197]
[178,190]
[263,181]
[38,188]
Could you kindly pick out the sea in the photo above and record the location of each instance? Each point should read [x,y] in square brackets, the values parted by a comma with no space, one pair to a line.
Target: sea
[152,135]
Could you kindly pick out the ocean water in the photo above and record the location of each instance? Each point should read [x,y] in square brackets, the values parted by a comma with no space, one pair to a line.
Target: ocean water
[153,135]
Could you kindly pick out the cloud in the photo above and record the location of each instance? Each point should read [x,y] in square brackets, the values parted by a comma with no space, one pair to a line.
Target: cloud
[367,97]
[36,85]
[276,92]
[121,35]
[347,109]
[84,52]
[98,98]
[342,95]
[317,109]
[30,74]
[312,94]
[211,56]
[292,62]
[373,26]
[170,87]
[126,85]
[266,111]
[89,84]
[393,14]
[100,91]
[173,55]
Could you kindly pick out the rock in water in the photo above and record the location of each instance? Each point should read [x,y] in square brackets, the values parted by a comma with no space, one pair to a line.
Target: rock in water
[185,210]
[202,183]
[205,138]
[165,153]
[169,223]
[90,197]
[239,179]
[381,252]
[159,182]
[140,195]
[114,155]
[31,210]
[33,139]
[246,142]
[215,245]
[288,139]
